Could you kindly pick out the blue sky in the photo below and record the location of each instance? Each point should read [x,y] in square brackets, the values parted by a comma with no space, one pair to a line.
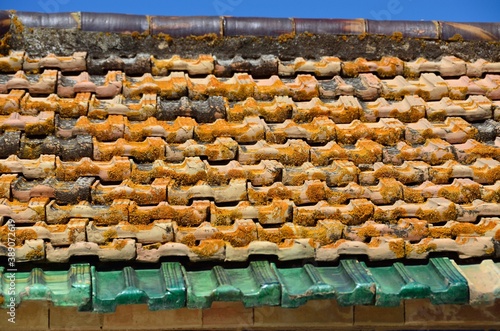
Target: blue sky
[445,10]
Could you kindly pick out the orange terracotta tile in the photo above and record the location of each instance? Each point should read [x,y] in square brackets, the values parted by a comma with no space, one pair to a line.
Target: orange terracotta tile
[202,65]
[446,67]
[277,110]
[143,109]
[75,62]
[327,66]
[12,62]
[65,107]
[11,103]
[385,67]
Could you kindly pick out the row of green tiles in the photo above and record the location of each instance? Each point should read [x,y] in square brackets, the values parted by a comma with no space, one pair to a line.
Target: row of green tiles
[260,284]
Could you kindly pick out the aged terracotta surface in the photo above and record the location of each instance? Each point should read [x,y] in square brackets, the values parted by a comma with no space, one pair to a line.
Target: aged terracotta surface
[196,147]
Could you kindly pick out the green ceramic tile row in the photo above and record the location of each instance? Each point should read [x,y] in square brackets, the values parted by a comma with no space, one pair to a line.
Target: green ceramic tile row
[255,286]
[160,289]
[63,288]
[260,284]
[350,283]
[439,280]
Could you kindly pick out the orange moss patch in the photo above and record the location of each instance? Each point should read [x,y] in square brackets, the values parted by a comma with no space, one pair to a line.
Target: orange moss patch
[397,36]
[276,236]
[316,192]
[440,232]
[36,254]
[418,228]
[243,236]
[317,235]
[412,196]
[286,243]
[411,116]
[374,243]
[299,179]
[151,246]
[165,37]
[360,214]
[471,229]
[480,151]
[205,37]
[336,244]
[497,235]
[21,235]
[350,69]
[110,234]
[5,41]
[390,190]
[386,172]
[368,231]
[398,247]
[115,173]
[189,240]
[457,37]
[226,217]
[18,25]
[389,216]
[25,234]
[119,244]
[5,66]
[485,175]
[183,178]
[208,248]
[460,194]
[111,217]
[73,232]
[286,37]
[183,217]
[440,175]
[362,36]
[425,246]
[277,192]
[135,228]
[434,216]
[306,218]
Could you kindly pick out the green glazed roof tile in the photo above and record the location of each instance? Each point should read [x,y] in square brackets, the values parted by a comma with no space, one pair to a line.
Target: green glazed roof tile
[162,288]
[453,288]
[302,284]
[483,280]
[439,280]
[350,283]
[260,284]
[395,283]
[256,285]
[63,288]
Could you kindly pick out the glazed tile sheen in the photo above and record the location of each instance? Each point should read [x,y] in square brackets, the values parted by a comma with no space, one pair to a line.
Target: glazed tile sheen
[260,284]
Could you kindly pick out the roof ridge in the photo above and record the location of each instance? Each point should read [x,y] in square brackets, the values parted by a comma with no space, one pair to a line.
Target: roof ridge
[228,26]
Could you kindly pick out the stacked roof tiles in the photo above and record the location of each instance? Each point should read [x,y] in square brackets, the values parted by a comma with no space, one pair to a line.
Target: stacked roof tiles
[215,158]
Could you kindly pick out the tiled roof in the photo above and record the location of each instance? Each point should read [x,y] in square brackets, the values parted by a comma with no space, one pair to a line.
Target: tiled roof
[141,155]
